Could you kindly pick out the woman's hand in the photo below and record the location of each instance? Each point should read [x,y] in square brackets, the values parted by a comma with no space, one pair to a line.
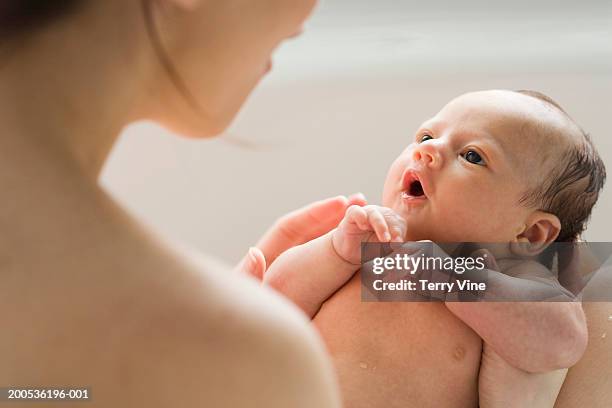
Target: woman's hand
[296,228]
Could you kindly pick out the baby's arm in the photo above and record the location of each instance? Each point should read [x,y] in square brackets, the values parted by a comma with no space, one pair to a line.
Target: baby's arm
[531,336]
[310,273]
[501,385]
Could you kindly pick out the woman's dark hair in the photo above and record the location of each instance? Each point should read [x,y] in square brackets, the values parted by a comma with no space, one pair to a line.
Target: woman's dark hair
[19,16]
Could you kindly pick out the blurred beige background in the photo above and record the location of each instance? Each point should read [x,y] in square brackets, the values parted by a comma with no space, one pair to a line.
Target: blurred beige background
[345,98]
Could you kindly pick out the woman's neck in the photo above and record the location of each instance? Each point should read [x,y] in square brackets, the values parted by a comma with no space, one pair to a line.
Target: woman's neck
[64,98]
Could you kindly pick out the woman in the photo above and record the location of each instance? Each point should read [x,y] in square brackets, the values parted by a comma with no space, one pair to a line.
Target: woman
[90,298]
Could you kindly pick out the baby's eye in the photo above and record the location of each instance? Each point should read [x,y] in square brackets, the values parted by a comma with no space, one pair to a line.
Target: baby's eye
[473,157]
[425,138]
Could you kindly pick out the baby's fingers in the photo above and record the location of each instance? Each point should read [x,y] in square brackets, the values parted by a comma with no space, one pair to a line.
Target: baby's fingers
[379,224]
[395,223]
[397,227]
[358,216]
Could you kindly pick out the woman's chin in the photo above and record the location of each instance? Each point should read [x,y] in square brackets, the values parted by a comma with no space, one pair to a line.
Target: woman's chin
[199,127]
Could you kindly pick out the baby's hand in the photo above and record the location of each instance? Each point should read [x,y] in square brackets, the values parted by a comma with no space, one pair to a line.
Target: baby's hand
[371,223]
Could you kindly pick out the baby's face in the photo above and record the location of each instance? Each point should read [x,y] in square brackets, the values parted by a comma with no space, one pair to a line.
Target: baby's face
[463,174]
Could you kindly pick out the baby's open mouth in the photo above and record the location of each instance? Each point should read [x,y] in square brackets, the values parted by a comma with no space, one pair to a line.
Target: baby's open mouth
[416,189]
[412,186]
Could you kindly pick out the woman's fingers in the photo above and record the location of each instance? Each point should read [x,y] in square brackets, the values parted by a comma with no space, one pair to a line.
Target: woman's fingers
[305,224]
[257,262]
[253,264]
[357,199]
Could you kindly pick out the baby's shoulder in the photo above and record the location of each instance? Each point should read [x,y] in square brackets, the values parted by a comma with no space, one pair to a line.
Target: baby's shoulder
[535,271]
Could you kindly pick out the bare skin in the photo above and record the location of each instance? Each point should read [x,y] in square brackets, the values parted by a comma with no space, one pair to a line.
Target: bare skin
[98,302]
[588,382]
[432,356]
[530,338]
[91,298]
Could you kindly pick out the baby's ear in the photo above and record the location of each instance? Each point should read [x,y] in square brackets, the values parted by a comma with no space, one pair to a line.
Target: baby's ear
[541,228]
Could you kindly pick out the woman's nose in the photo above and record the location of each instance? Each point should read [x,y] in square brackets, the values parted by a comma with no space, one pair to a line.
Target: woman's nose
[427,155]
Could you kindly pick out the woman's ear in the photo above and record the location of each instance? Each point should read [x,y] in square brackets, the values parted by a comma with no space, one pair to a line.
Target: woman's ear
[541,228]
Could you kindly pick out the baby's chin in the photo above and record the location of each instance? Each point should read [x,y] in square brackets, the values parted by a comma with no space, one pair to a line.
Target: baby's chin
[440,234]
[421,225]
[420,229]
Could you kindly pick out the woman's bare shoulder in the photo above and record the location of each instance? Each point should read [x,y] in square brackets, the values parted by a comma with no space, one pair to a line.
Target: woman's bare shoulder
[228,338]
[163,325]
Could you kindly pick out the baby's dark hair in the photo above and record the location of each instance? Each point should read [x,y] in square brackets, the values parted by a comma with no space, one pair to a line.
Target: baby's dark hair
[572,187]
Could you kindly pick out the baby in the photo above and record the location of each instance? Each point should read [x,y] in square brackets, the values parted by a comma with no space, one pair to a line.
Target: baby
[495,167]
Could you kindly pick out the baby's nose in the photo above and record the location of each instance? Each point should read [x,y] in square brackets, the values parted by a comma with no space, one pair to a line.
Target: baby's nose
[427,155]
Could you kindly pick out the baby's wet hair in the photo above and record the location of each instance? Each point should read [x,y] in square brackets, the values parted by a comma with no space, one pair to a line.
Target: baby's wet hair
[572,187]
